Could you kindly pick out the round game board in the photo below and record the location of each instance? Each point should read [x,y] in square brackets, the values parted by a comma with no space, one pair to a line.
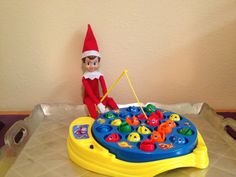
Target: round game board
[131,137]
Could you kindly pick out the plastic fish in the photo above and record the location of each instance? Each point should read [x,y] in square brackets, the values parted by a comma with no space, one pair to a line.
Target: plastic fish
[158,136]
[134,137]
[124,144]
[132,121]
[116,122]
[166,146]
[113,138]
[110,115]
[101,121]
[166,126]
[153,120]
[185,131]
[170,123]
[147,145]
[159,114]
[175,117]
[133,109]
[150,108]
[178,140]
[124,127]
[141,117]
[143,130]
[187,124]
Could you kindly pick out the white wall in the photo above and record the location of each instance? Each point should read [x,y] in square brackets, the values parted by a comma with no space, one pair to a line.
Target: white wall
[175,51]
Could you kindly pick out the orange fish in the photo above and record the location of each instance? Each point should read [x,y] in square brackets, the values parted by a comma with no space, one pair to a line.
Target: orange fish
[167,126]
[158,136]
[166,146]
[132,121]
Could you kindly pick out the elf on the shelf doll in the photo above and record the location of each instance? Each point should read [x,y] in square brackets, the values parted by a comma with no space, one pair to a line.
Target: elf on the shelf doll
[92,78]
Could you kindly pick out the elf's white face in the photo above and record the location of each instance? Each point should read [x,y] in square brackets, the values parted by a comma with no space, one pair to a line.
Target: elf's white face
[91,65]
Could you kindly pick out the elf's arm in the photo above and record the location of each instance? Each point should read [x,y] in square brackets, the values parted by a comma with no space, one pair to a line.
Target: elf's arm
[103,85]
[112,103]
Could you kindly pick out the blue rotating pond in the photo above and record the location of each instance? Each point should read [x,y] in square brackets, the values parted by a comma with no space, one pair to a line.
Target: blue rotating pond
[132,137]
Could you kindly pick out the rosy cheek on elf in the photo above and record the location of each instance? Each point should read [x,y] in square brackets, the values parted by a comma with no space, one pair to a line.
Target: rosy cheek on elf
[91,65]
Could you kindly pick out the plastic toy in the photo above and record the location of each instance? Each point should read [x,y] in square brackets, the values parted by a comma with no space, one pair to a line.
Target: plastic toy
[175,117]
[147,146]
[158,136]
[144,130]
[92,78]
[113,137]
[124,127]
[116,122]
[133,137]
[135,150]
[132,121]
[166,126]
[153,120]
[134,141]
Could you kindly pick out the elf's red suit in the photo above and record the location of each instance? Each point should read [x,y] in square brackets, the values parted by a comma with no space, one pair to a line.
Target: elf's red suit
[91,92]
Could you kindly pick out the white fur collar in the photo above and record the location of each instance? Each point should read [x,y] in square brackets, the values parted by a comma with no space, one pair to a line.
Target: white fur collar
[92,75]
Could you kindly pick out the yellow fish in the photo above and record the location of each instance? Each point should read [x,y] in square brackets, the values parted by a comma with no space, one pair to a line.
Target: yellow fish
[101,121]
[134,137]
[116,122]
[124,144]
[144,130]
[175,117]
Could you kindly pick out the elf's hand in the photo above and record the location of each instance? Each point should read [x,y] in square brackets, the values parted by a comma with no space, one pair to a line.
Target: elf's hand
[117,111]
[101,108]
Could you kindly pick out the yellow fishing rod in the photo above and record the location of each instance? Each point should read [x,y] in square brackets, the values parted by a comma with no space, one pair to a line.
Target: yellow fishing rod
[124,72]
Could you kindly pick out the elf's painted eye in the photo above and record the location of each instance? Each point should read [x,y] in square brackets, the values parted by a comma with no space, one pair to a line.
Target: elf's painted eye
[95,63]
[88,63]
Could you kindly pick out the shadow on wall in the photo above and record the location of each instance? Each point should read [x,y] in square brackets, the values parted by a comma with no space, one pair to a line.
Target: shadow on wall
[204,70]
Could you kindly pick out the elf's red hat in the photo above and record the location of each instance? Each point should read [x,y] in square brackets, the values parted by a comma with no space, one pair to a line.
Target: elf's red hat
[90,44]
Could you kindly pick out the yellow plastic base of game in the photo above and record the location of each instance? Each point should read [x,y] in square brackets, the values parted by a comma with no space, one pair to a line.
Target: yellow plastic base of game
[90,155]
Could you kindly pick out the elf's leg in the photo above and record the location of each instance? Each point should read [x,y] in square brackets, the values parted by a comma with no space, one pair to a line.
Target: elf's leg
[91,107]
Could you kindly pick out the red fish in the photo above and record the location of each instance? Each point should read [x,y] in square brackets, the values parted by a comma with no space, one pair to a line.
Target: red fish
[153,120]
[147,145]
[159,114]
[113,138]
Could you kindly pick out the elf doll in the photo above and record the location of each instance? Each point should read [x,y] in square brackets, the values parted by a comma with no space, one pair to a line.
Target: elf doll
[92,78]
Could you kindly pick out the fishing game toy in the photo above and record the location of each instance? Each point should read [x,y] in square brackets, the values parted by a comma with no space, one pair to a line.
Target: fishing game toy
[140,141]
